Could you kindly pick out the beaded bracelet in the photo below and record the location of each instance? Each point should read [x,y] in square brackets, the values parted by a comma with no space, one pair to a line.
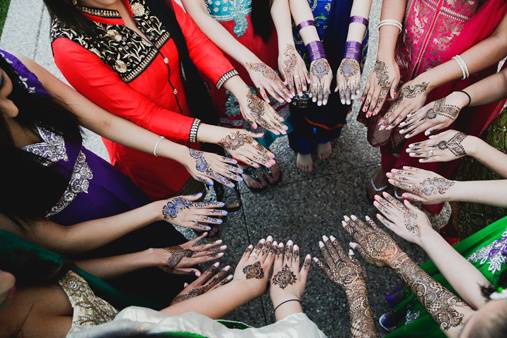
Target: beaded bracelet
[353,50]
[193,130]
[304,24]
[359,19]
[316,50]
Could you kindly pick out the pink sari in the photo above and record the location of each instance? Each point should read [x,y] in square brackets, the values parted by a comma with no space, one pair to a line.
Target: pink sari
[435,31]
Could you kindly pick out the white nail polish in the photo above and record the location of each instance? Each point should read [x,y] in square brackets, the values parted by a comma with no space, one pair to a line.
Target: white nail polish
[332,238]
[218,242]
[227,268]
[216,264]
[223,247]
[296,247]
[353,217]
[346,218]
[321,245]
[325,238]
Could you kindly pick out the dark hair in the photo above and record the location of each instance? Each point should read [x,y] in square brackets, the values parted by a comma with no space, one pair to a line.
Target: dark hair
[29,189]
[261,18]
[201,104]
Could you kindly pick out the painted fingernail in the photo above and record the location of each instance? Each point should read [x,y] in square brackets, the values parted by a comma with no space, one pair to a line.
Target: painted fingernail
[344,224]
[221,204]
[296,248]
[315,259]
[250,246]
[289,242]
[353,245]
[351,252]
[207,228]
[325,238]
[308,257]
[332,238]
[218,242]
[262,241]
[353,217]
[270,238]
[346,218]
[223,247]
[221,254]
[321,245]
[229,277]
[227,268]
[275,243]
[368,218]
[216,264]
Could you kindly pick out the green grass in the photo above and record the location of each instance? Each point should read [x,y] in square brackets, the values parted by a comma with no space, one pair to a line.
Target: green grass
[4,7]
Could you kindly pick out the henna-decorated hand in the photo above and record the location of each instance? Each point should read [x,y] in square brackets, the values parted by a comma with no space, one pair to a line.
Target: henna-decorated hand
[382,81]
[444,147]
[259,113]
[180,259]
[293,69]
[210,279]
[374,244]
[421,185]
[241,145]
[340,268]
[267,81]
[320,81]
[255,266]
[413,94]
[348,78]
[208,167]
[405,220]
[434,116]
[185,211]
[289,278]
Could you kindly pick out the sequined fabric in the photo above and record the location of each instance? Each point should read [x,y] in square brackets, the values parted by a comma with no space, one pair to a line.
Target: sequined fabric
[235,10]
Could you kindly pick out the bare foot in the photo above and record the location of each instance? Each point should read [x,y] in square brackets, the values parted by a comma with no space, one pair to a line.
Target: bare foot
[275,175]
[255,184]
[304,162]
[324,150]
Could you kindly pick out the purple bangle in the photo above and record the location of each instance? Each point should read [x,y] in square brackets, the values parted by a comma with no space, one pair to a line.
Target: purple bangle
[316,50]
[359,19]
[353,50]
[304,24]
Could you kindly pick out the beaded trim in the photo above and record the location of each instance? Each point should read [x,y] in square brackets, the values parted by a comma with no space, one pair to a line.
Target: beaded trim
[193,130]
[50,150]
[104,13]
[225,77]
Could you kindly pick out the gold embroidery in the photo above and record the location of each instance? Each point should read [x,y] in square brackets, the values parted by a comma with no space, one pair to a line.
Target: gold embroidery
[88,309]
[125,51]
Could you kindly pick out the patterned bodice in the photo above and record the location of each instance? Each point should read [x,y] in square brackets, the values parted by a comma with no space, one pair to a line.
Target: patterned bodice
[231,10]
[51,150]
[430,27]
[88,309]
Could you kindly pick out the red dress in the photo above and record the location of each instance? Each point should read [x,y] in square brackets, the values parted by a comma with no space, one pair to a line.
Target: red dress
[140,81]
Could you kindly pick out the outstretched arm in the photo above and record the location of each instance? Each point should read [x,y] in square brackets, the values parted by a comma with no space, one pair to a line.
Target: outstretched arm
[414,226]
[378,248]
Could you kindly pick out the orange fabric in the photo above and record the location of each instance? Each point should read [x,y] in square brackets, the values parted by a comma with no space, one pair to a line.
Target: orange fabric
[148,100]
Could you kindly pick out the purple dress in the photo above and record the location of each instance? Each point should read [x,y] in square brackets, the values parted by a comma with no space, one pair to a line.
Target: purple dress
[98,190]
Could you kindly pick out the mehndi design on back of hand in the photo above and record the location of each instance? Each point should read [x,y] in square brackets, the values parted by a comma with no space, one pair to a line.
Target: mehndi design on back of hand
[454,145]
[263,69]
[441,109]
[254,270]
[435,185]
[174,206]
[284,277]
[177,253]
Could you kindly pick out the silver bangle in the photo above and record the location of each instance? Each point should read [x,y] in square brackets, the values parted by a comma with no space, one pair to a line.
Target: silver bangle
[391,22]
[160,139]
[193,131]
[463,66]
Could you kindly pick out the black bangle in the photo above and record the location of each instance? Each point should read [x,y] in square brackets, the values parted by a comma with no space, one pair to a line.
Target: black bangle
[468,95]
[286,301]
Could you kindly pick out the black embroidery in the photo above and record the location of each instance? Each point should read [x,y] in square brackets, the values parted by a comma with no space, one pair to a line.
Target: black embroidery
[125,51]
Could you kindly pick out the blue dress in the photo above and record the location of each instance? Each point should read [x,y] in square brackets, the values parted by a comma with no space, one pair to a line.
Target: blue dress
[315,125]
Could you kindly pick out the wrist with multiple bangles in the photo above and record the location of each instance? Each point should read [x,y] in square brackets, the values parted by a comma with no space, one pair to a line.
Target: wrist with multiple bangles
[391,22]
[354,49]
[315,48]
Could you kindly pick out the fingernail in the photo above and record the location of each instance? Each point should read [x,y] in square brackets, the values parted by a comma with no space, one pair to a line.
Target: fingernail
[346,218]
[229,277]
[280,245]
[289,242]
[351,252]
[353,245]
[197,273]
[216,264]
[344,224]
[321,245]
[218,242]
[332,238]
[221,204]
[223,247]
[250,246]
[262,241]
[315,259]
[270,238]
[368,218]
[221,254]
[275,243]
[308,257]
[227,268]
[353,217]
[207,228]
[325,238]
[296,248]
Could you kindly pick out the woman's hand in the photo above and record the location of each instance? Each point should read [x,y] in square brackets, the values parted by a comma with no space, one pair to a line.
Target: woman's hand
[320,81]
[208,167]
[185,211]
[180,259]
[421,185]
[267,81]
[405,220]
[348,77]
[444,147]
[413,94]
[259,113]
[210,279]
[341,269]
[374,244]
[382,81]
[289,278]
[293,69]
[241,145]
[255,266]
[434,116]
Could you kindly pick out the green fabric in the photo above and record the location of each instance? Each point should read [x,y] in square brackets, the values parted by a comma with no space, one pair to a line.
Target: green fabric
[20,255]
[425,326]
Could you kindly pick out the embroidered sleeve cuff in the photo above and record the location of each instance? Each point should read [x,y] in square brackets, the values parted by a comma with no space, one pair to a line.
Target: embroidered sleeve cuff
[226,77]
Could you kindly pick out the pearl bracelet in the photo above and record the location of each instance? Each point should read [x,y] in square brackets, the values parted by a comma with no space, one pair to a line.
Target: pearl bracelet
[391,22]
